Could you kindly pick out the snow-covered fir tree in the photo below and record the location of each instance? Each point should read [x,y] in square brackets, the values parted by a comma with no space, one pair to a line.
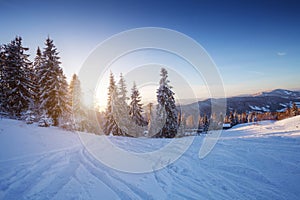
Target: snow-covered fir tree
[136,109]
[231,118]
[205,123]
[294,110]
[75,92]
[1,78]
[181,125]
[110,125]
[166,109]
[121,109]
[36,67]
[17,87]
[54,99]
[152,128]
[78,110]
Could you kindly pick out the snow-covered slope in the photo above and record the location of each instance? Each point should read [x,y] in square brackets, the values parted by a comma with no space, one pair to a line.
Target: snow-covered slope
[251,161]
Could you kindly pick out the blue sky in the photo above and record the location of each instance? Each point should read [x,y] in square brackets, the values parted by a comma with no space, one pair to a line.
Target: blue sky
[255,44]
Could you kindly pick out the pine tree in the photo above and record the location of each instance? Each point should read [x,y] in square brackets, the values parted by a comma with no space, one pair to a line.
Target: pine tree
[236,117]
[54,99]
[231,118]
[2,98]
[181,124]
[152,128]
[136,110]
[166,109]
[75,92]
[214,121]
[221,119]
[110,125]
[200,123]
[121,110]
[77,108]
[36,67]
[17,92]
[294,110]
[205,123]
[190,123]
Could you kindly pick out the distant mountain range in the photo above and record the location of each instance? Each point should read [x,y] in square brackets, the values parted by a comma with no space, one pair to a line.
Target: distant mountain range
[271,101]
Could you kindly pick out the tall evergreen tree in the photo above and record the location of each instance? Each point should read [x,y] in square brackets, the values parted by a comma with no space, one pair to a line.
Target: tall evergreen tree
[205,123]
[75,92]
[2,58]
[231,118]
[110,125]
[136,110]
[17,92]
[36,67]
[166,109]
[121,109]
[78,111]
[53,85]
[152,125]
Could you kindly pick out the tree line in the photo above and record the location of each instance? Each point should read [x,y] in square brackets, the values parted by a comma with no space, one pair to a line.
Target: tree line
[38,90]
[125,119]
[233,118]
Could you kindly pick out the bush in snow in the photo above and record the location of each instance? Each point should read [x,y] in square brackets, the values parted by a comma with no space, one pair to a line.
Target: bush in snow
[45,121]
[28,116]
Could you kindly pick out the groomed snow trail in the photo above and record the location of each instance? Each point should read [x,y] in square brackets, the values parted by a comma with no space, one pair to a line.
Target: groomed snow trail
[252,161]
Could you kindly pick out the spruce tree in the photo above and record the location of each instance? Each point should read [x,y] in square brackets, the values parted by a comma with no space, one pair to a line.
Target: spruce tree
[78,111]
[37,66]
[2,58]
[136,110]
[110,125]
[294,110]
[17,88]
[121,109]
[205,123]
[231,118]
[166,109]
[53,85]
[75,92]
[152,125]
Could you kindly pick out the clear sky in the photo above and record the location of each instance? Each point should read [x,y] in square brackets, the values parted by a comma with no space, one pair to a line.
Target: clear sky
[254,43]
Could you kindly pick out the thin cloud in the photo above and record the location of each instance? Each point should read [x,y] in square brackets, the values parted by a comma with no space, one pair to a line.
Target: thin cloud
[281,53]
[256,73]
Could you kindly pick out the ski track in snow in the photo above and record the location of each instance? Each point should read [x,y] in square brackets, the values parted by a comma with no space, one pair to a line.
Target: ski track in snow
[249,162]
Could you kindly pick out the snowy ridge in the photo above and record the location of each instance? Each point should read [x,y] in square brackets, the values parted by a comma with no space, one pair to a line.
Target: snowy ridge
[272,101]
[251,161]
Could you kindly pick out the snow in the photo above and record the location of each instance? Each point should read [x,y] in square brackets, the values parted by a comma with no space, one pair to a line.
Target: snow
[265,109]
[226,125]
[283,105]
[287,92]
[250,161]
[254,107]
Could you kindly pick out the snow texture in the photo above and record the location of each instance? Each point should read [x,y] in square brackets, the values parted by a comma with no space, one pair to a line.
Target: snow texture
[250,161]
